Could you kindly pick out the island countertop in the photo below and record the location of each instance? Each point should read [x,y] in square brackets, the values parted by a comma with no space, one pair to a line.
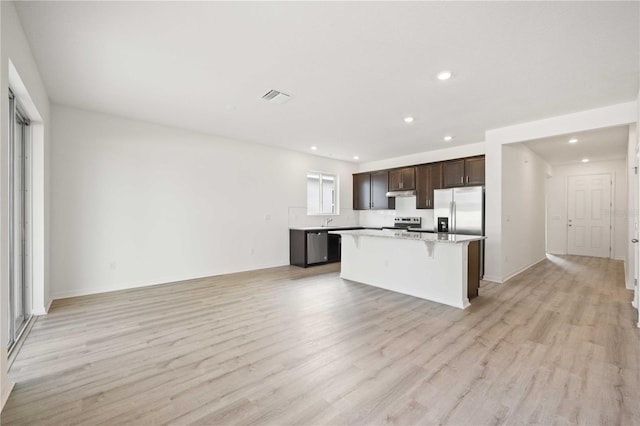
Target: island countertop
[414,236]
[430,266]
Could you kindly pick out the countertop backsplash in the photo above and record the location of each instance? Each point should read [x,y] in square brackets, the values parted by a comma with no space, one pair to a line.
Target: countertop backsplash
[298,218]
[405,206]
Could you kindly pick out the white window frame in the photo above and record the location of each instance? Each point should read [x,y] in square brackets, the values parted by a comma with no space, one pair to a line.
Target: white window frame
[336,194]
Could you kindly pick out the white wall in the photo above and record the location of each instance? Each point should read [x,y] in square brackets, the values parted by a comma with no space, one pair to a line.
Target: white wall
[18,68]
[495,223]
[557,204]
[425,157]
[135,204]
[523,205]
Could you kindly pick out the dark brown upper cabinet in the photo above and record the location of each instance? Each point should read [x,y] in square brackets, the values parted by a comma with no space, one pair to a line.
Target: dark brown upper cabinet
[474,170]
[370,191]
[362,191]
[463,172]
[402,179]
[453,173]
[428,178]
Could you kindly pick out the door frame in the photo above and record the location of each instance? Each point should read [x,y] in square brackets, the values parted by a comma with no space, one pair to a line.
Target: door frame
[635,233]
[17,113]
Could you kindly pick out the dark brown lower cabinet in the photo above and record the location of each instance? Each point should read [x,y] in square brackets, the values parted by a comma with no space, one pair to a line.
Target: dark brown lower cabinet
[473,269]
[313,247]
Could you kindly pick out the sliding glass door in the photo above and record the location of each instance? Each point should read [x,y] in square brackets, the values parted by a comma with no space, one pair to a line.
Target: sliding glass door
[19,276]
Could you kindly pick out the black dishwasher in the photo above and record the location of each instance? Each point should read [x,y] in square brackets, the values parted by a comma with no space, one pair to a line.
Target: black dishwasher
[335,247]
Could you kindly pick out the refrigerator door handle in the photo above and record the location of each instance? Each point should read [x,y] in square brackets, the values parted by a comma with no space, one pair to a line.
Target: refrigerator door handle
[452,216]
[455,218]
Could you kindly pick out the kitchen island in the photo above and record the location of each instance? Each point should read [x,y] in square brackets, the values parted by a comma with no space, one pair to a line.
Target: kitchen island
[435,267]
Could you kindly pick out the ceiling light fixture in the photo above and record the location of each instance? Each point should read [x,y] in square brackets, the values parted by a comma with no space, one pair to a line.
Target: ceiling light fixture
[448,138]
[313,148]
[585,160]
[408,119]
[444,75]
[355,157]
[573,140]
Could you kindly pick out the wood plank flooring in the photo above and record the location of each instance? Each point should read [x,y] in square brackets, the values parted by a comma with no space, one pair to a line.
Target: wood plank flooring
[556,344]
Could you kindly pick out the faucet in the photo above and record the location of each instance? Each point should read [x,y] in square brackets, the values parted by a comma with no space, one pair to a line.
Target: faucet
[327,221]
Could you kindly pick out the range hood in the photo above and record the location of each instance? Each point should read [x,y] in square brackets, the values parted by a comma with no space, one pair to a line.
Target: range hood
[411,193]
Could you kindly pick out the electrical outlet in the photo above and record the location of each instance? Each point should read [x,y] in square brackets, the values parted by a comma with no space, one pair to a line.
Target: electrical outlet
[113,265]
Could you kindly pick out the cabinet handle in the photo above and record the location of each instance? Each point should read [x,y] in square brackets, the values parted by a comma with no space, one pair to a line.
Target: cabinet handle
[461,179]
[467,179]
[400,185]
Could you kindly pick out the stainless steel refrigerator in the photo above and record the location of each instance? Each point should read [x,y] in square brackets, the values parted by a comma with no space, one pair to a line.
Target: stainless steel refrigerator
[460,211]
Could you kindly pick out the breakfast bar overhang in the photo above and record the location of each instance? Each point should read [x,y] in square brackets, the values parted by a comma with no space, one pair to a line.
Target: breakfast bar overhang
[434,267]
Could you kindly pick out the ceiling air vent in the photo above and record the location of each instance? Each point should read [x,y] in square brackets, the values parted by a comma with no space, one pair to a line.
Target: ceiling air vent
[276,97]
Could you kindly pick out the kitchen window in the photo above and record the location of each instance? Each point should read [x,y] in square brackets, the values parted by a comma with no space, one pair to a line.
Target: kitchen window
[322,193]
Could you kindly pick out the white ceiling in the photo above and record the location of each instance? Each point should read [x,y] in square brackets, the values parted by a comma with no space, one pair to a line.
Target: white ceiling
[353,69]
[596,145]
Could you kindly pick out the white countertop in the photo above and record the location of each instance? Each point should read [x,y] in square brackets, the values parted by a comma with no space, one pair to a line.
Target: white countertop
[326,228]
[415,236]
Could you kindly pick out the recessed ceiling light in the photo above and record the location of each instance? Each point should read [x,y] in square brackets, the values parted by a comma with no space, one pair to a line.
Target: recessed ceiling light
[585,160]
[355,157]
[444,75]
[573,140]
[408,119]
[448,138]
[313,148]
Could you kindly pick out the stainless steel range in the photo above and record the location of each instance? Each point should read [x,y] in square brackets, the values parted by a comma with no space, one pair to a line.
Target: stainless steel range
[405,223]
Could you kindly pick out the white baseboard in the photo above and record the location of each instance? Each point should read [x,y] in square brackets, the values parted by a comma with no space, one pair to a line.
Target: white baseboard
[492,279]
[628,280]
[6,391]
[139,284]
[44,311]
[524,269]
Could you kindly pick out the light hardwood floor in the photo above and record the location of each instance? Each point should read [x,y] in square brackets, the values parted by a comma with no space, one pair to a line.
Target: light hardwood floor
[556,344]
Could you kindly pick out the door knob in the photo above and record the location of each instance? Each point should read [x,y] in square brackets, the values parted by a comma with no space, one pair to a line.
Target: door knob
[634,240]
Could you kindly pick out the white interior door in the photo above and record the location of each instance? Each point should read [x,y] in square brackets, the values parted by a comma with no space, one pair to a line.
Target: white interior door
[589,215]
